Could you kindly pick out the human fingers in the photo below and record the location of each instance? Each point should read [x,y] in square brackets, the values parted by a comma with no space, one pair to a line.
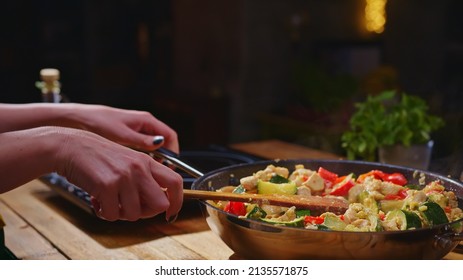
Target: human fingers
[149,142]
[172,183]
[136,129]
[145,197]
[153,201]
[129,200]
[125,186]
[106,206]
[150,130]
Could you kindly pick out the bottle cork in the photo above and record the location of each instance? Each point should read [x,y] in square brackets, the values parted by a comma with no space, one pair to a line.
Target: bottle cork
[49,75]
[50,85]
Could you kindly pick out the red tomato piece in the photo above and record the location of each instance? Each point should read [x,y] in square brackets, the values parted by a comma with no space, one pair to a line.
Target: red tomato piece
[235,207]
[398,196]
[340,179]
[376,173]
[433,191]
[382,216]
[343,188]
[396,178]
[392,197]
[314,220]
[327,175]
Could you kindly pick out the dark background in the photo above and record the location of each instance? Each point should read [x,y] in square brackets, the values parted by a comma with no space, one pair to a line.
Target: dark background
[227,71]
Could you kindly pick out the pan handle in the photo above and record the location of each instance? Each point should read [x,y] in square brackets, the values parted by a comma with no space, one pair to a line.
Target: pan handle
[447,239]
[173,159]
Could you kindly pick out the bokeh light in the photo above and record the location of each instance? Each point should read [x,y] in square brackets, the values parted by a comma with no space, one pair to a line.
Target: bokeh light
[375,15]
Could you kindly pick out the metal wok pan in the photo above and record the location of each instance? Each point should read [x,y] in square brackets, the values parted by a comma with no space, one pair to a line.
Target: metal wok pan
[257,240]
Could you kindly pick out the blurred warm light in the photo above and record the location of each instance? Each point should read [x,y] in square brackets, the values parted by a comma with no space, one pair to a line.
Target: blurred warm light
[375,15]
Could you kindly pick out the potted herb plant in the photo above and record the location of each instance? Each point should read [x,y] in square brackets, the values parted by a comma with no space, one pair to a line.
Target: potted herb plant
[388,125]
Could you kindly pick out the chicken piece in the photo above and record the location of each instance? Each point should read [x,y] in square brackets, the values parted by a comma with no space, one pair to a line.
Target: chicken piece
[379,189]
[361,218]
[354,193]
[414,199]
[390,225]
[273,211]
[352,213]
[362,224]
[289,215]
[300,175]
[373,187]
[249,182]
[416,196]
[270,171]
[315,182]
[304,191]
[452,199]
[388,188]
[282,171]
[434,186]
[455,214]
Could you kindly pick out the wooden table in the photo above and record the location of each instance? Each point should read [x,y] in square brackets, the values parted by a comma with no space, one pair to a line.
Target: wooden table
[43,225]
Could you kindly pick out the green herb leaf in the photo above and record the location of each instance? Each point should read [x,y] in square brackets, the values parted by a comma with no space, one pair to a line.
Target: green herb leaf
[388,119]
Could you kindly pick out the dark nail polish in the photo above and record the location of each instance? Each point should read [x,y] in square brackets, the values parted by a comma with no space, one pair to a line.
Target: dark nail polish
[172,219]
[158,139]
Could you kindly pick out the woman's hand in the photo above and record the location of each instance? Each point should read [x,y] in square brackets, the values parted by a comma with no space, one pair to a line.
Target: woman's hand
[136,129]
[125,184]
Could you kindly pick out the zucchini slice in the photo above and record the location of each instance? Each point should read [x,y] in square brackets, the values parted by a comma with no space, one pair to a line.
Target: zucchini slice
[390,205]
[371,204]
[376,225]
[298,222]
[256,213]
[433,213]
[264,187]
[404,219]
[333,222]
[239,189]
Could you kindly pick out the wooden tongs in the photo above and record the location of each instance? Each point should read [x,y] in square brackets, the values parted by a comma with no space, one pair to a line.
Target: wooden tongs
[316,204]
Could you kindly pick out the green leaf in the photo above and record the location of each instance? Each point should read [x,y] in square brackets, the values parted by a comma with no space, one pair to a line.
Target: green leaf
[277,179]
[388,119]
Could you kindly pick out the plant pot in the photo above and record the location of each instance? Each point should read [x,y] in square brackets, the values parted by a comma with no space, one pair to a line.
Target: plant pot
[415,156]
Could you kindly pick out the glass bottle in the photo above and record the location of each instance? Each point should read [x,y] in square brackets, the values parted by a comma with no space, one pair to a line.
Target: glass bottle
[50,85]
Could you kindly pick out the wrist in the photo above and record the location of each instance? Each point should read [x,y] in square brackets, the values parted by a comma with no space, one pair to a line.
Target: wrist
[28,154]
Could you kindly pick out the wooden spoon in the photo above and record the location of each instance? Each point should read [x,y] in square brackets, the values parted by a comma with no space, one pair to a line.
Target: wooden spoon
[316,204]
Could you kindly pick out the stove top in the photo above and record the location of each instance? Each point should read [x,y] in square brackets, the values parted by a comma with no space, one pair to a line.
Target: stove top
[205,160]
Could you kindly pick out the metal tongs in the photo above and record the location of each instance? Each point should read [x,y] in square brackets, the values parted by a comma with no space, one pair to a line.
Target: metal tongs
[173,159]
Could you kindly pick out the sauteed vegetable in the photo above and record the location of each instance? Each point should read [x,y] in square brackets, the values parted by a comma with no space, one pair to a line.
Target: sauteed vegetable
[378,201]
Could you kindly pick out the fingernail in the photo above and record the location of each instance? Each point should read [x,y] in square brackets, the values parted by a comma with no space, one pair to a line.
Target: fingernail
[158,139]
[172,219]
